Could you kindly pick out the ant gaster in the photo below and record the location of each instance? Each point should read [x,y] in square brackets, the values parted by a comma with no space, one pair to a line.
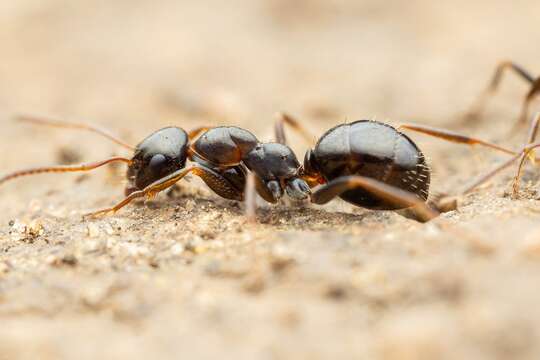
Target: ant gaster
[221,157]
[373,165]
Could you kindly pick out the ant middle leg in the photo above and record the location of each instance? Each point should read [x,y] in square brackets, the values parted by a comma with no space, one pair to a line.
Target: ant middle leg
[479,105]
[279,129]
[73,125]
[400,198]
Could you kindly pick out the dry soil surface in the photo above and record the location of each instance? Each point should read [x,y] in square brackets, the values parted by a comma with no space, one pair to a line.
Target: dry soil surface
[184,276]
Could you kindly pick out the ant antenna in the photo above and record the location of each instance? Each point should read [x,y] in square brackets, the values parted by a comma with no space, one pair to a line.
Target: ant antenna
[72,125]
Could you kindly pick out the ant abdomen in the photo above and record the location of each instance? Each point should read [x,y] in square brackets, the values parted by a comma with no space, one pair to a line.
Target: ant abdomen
[375,150]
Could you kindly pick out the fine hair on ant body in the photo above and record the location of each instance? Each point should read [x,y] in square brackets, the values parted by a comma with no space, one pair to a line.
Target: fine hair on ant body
[373,165]
[221,156]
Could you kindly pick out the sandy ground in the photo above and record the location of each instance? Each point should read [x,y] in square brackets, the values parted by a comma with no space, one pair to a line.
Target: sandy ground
[185,276]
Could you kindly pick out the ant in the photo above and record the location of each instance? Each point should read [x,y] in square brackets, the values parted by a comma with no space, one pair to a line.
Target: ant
[367,163]
[373,165]
[493,85]
[220,156]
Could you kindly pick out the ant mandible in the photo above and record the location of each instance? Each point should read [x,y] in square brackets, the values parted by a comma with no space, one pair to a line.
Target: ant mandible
[373,165]
[220,156]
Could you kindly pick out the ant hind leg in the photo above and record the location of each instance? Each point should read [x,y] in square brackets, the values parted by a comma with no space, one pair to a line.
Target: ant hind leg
[399,197]
[479,105]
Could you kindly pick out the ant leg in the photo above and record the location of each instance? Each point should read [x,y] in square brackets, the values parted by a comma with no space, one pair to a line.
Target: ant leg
[487,176]
[533,131]
[228,188]
[399,197]
[81,126]
[62,168]
[454,137]
[535,91]
[150,191]
[527,151]
[213,179]
[197,131]
[251,199]
[279,129]
[479,105]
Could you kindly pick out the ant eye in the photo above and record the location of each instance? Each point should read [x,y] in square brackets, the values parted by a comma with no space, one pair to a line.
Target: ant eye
[283,157]
[157,161]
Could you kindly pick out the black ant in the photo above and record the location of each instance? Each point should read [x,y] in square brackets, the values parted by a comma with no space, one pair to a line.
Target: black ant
[373,165]
[534,90]
[221,157]
[367,163]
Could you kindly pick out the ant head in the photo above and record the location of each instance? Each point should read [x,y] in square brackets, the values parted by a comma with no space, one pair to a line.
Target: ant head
[277,167]
[160,154]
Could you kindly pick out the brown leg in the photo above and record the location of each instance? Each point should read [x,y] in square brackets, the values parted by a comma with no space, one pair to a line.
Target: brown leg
[531,137]
[490,174]
[401,198]
[214,180]
[150,191]
[454,137]
[279,129]
[220,184]
[479,106]
[197,131]
[522,156]
[63,168]
[534,92]
[70,125]
[251,199]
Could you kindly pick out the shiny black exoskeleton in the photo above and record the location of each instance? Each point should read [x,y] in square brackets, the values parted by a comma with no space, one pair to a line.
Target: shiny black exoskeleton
[274,165]
[372,165]
[369,149]
[222,155]
[158,155]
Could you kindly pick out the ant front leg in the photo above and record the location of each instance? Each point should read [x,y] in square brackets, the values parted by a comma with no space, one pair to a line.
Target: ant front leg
[480,104]
[216,181]
[227,183]
[400,198]
[150,191]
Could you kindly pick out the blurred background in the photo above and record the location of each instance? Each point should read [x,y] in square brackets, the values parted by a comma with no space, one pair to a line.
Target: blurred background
[137,65]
